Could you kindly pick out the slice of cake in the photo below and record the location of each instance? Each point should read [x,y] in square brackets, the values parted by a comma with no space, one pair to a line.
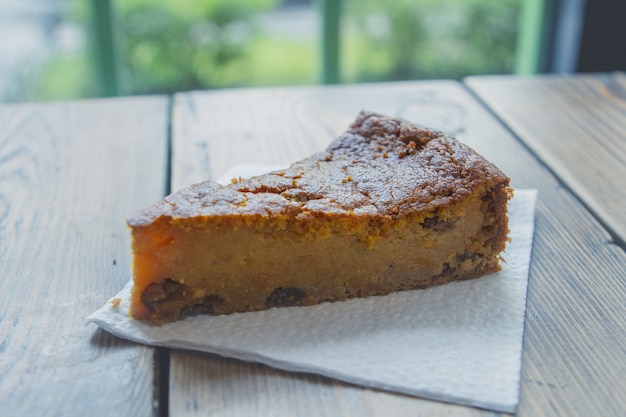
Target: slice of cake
[389,206]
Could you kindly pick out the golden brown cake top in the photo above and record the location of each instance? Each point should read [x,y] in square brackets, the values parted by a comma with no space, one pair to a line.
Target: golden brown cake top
[380,166]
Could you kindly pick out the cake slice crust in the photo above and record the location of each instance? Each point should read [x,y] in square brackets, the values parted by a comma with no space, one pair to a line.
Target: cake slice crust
[389,206]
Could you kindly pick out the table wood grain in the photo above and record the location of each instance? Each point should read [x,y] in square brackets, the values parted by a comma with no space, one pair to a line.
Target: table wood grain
[577,126]
[70,173]
[574,357]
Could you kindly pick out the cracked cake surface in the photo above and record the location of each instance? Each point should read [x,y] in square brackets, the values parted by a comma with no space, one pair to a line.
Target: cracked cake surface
[390,205]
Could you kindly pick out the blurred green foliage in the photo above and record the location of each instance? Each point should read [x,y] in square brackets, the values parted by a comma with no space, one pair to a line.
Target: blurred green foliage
[420,39]
[176,45]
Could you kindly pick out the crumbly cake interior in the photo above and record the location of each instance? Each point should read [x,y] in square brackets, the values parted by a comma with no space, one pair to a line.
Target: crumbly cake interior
[389,206]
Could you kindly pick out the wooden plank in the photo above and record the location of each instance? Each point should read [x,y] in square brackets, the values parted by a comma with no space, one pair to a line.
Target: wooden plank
[573,361]
[577,125]
[70,174]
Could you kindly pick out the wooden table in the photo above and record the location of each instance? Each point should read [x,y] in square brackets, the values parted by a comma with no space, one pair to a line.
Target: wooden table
[71,172]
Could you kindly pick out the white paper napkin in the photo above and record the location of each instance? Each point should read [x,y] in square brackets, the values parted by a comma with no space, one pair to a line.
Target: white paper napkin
[458,343]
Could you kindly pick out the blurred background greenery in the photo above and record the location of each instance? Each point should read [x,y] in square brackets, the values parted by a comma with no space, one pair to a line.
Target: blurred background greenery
[167,46]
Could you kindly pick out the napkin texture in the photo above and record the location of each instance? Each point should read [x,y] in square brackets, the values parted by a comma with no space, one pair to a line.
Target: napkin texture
[458,343]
